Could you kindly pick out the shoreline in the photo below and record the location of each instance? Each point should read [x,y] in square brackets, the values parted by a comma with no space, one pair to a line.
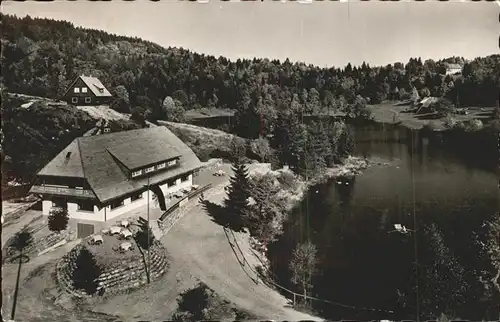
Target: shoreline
[352,166]
[384,113]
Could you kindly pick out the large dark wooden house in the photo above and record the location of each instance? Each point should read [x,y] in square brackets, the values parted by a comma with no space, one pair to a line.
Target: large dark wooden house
[87,90]
[98,178]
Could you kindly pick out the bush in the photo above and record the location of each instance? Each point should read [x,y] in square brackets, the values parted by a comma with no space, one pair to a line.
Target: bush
[58,219]
[287,180]
[474,125]
[443,107]
[120,105]
[138,115]
[451,123]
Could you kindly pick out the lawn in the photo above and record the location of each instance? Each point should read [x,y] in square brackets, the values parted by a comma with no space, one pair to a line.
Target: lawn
[384,113]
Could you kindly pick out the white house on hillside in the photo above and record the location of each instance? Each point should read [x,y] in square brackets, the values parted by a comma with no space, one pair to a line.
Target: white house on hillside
[98,178]
[452,69]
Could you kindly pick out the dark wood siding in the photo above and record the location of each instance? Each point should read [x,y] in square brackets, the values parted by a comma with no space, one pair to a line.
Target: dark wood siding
[80,98]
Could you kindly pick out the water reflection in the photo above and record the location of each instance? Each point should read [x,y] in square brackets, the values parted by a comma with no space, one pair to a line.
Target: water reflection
[361,264]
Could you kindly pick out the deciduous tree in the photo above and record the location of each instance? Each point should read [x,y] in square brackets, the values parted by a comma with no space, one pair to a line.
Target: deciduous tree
[303,266]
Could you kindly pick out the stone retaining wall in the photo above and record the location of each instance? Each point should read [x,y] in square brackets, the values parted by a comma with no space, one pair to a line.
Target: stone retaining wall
[119,276]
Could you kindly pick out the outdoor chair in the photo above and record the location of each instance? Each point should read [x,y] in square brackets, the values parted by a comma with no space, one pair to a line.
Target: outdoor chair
[113,230]
[125,246]
[125,234]
[96,240]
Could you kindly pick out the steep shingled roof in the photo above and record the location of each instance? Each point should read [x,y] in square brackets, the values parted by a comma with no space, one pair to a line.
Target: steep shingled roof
[453,66]
[99,157]
[64,164]
[95,86]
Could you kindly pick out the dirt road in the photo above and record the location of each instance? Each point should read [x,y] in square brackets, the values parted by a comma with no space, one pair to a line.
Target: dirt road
[12,227]
[201,245]
[199,251]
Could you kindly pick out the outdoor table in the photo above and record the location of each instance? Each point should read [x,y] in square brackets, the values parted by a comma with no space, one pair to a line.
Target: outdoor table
[126,233]
[125,246]
[114,230]
[97,239]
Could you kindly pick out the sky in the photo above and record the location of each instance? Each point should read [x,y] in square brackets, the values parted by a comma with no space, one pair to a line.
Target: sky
[321,33]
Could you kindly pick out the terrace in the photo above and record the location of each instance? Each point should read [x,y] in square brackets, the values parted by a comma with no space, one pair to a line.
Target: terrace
[70,192]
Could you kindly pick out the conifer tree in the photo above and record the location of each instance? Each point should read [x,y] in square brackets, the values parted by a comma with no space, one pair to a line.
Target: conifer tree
[237,204]
[144,236]
[86,272]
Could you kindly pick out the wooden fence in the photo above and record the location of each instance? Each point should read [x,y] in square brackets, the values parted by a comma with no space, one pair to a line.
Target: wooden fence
[182,201]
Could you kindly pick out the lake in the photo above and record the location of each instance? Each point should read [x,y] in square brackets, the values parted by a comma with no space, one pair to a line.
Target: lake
[370,270]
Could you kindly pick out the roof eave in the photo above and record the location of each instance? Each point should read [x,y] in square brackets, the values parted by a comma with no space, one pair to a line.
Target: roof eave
[107,200]
[154,163]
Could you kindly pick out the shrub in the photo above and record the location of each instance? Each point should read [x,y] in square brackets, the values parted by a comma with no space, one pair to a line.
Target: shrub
[120,105]
[474,125]
[287,180]
[58,219]
[138,115]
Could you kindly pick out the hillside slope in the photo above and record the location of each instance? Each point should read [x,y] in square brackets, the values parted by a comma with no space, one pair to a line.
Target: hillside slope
[205,142]
[42,56]
[35,129]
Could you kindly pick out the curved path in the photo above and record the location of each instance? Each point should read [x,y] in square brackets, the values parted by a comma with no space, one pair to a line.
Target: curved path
[199,251]
[202,247]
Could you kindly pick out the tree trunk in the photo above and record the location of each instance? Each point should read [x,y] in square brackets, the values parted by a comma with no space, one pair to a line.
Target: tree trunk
[17,286]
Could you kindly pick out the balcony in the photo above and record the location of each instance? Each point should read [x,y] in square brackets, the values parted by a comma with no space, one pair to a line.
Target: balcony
[59,191]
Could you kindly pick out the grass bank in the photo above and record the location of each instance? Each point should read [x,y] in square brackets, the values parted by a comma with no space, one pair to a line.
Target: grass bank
[384,113]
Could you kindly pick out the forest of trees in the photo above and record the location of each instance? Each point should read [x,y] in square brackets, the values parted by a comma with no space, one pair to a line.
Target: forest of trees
[41,57]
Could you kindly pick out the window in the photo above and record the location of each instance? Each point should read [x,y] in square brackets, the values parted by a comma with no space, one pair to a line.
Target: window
[85,206]
[74,100]
[117,203]
[171,183]
[136,197]
[84,89]
[184,179]
[136,173]
[76,90]
[161,166]
[88,99]
[172,162]
[59,204]
[150,169]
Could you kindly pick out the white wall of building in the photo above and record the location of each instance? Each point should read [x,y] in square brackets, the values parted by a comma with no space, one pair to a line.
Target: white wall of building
[74,213]
[106,213]
[178,185]
[46,206]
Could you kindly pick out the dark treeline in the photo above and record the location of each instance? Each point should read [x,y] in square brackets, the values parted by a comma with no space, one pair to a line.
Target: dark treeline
[42,56]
